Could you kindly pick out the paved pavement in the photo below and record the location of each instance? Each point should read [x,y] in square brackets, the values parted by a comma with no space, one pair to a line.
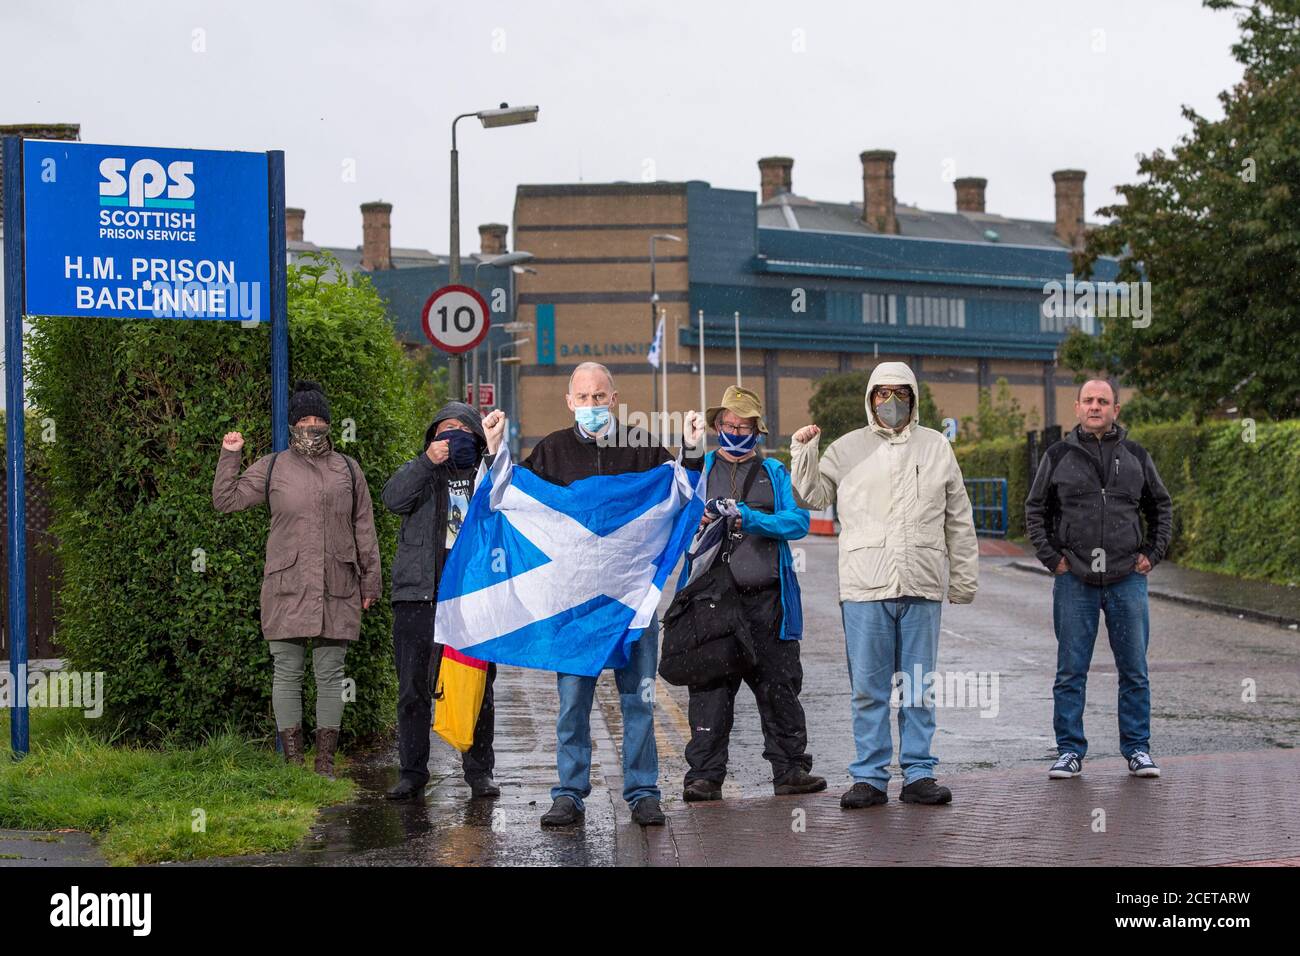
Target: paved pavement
[1206,810]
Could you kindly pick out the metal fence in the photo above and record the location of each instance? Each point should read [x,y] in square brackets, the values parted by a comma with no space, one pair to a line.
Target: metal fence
[988,501]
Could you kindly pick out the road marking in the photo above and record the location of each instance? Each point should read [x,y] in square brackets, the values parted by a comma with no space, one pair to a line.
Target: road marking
[960,637]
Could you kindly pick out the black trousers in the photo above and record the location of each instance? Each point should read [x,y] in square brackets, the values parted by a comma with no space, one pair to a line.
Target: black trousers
[775,681]
[418,658]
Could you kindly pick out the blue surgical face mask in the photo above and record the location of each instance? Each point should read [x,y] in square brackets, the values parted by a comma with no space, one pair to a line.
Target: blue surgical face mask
[592,418]
[462,447]
[736,444]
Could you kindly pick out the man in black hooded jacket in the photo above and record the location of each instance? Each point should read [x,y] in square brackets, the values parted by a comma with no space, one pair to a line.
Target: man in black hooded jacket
[431,492]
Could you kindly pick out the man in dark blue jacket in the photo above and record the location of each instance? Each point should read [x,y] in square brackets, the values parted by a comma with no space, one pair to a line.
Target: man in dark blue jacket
[1084,516]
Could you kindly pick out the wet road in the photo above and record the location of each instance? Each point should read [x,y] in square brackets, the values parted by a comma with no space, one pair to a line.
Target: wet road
[1198,661]
[1201,665]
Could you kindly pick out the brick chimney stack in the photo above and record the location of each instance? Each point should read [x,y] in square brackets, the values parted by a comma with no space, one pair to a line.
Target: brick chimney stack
[774,176]
[878,190]
[60,131]
[293,218]
[376,236]
[970,194]
[1069,206]
[492,238]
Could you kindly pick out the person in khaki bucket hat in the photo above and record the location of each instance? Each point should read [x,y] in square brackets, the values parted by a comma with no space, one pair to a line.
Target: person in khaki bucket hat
[743,402]
[754,496]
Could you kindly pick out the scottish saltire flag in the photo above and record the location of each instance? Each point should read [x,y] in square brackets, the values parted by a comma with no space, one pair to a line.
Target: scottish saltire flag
[564,578]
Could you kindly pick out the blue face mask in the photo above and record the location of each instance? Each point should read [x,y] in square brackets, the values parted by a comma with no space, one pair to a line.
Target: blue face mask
[737,444]
[592,418]
[462,447]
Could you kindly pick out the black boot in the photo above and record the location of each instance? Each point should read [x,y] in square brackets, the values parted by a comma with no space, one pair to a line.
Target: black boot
[862,795]
[406,789]
[646,812]
[798,781]
[484,787]
[926,791]
[564,812]
[699,790]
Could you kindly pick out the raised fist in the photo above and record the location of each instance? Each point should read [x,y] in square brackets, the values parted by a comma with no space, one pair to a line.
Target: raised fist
[806,434]
[233,441]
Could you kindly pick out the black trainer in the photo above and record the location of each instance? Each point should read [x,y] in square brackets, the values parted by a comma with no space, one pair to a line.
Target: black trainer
[696,791]
[798,781]
[646,812]
[1068,765]
[862,795]
[926,791]
[564,812]
[406,789]
[484,787]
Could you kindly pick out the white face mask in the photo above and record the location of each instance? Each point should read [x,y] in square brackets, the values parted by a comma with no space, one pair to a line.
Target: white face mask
[893,411]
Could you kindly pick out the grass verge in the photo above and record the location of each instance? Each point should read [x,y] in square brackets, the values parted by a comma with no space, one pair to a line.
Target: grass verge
[228,797]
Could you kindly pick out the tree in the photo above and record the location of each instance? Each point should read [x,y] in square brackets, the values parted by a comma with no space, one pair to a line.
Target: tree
[997,416]
[839,405]
[1214,227]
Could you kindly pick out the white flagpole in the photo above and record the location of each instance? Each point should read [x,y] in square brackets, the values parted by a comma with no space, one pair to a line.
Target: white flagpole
[703,403]
[737,348]
[663,374]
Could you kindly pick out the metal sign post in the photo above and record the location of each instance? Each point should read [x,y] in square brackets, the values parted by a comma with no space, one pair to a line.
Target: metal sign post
[96,231]
[15,430]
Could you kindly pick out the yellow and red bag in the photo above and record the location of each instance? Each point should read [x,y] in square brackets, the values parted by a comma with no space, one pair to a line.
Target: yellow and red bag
[458,697]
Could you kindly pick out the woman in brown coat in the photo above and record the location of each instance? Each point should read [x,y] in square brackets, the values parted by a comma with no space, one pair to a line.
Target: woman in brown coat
[322,562]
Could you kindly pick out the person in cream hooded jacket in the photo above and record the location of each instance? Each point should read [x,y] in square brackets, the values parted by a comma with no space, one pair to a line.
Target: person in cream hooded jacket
[904,515]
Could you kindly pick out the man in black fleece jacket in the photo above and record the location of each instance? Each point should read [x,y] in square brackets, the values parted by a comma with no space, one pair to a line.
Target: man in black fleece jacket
[1084,517]
[598,444]
[431,492]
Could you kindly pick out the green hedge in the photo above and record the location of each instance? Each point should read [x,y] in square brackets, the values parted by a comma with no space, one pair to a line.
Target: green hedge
[1236,501]
[140,408]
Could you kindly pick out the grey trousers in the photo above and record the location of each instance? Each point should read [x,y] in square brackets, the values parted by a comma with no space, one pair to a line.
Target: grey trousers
[286,690]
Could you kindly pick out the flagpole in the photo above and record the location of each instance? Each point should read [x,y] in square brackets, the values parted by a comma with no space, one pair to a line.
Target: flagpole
[703,403]
[663,371]
[737,348]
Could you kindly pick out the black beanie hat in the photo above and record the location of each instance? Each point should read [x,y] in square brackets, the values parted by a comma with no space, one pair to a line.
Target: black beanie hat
[307,399]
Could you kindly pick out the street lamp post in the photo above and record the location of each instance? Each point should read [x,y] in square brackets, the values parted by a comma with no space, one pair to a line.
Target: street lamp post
[508,260]
[504,116]
[654,317]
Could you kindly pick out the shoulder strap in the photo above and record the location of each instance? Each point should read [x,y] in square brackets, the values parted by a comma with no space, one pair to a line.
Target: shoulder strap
[351,476]
[270,468]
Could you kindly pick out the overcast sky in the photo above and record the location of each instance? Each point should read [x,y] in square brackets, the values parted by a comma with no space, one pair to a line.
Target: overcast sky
[628,91]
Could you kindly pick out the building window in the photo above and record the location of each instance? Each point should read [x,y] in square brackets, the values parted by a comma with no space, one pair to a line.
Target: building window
[936,311]
[879,309]
[1055,317]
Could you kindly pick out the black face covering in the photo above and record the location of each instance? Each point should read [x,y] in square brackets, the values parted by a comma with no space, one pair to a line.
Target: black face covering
[462,447]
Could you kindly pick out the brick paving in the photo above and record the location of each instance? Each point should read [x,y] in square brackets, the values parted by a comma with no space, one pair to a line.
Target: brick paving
[1206,810]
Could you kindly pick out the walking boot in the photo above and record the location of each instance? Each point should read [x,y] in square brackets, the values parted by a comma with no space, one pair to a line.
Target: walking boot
[291,744]
[327,741]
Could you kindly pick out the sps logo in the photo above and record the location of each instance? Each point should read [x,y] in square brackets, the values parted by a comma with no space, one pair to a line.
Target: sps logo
[145,184]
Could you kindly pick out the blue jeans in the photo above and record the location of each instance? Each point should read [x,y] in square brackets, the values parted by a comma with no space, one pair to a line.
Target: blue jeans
[1076,608]
[636,699]
[900,635]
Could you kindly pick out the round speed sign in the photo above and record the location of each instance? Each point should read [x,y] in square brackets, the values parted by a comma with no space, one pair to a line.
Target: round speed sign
[455,318]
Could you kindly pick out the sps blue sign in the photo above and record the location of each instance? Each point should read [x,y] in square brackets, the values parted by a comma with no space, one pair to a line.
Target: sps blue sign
[138,232]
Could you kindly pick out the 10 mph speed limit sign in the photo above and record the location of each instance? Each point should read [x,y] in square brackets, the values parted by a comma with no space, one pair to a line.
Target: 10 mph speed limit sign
[455,318]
